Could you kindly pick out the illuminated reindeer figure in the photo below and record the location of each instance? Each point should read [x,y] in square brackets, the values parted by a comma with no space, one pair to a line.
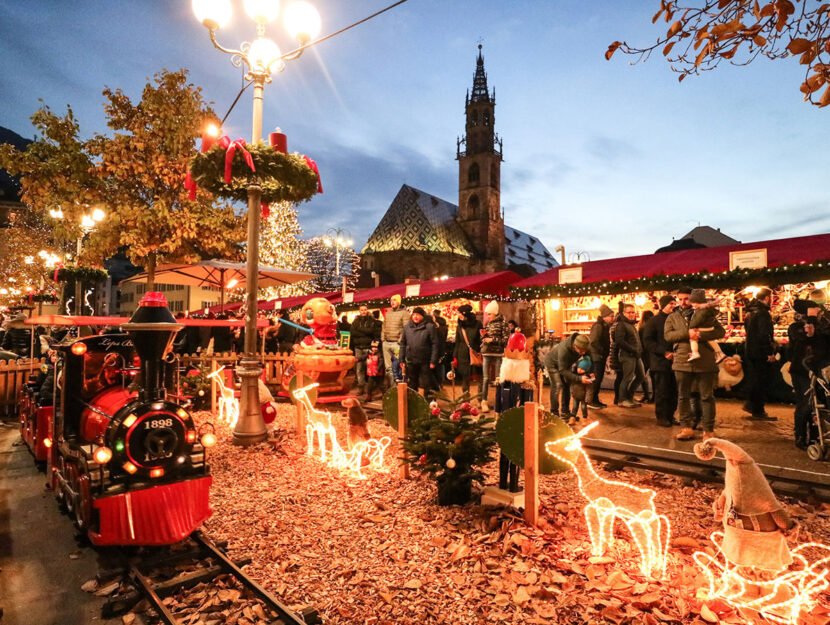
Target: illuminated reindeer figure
[228,404]
[609,500]
[364,453]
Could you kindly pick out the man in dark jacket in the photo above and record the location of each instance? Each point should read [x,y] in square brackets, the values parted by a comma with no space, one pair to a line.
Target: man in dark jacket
[660,356]
[441,332]
[568,352]
[627,340]
[808,348]
[363,332]
[760,353]
[701,371]
[286,334]
[600,338]
[419,350]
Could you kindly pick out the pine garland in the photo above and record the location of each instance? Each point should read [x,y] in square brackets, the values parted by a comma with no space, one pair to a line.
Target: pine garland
[85,274]
[282,177]
[704,279]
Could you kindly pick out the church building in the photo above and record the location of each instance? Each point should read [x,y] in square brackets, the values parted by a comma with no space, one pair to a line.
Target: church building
[422,236]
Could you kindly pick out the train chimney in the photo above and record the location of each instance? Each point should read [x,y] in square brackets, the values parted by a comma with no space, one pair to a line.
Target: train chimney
[152,329]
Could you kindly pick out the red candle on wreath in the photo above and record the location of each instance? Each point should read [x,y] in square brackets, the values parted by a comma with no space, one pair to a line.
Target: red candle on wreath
[278,141]
[209,137]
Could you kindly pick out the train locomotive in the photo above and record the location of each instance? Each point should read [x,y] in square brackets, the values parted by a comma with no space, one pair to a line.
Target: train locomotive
[126,461]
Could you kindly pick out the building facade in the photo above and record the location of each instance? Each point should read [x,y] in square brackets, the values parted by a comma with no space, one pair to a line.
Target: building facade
[422,236]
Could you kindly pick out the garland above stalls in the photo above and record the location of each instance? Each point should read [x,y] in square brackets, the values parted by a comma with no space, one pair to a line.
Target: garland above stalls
[86,274]
[729,279]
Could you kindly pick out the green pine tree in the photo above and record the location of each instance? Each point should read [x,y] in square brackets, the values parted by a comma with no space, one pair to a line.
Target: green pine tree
[451,443]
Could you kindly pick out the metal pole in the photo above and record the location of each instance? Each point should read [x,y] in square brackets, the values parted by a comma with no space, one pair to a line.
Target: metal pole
[78,285]
[250,428]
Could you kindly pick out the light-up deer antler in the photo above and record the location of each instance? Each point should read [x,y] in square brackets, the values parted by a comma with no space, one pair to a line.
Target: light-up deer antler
[609,500]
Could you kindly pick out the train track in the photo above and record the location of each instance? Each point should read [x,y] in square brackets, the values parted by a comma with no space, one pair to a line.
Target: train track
[168,578]
[796,483]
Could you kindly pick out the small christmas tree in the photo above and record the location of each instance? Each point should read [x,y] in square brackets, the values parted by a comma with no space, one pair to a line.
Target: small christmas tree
[451,443]
[196,385]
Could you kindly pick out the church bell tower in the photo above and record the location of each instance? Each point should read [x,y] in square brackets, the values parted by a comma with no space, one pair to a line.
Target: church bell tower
[479,158]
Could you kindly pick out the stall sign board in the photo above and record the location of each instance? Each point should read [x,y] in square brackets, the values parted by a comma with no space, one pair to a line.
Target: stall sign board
[348,298]
[278,304]
[572,274]
[413,290]
[748,259]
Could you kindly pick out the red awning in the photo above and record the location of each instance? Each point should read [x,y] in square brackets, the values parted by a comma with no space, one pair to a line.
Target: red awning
[779,252]
[71,320]
[495,284]
[270,304]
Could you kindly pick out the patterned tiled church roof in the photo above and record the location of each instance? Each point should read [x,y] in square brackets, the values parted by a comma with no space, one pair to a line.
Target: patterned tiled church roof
[419,221]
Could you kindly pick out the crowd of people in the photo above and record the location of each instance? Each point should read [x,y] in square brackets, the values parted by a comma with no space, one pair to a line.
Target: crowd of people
[673,356]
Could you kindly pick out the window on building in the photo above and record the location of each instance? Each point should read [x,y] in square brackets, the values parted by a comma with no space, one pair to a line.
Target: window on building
[473,174]
[473,206]
[494,176]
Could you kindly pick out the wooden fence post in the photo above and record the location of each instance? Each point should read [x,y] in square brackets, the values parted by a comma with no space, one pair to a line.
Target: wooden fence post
[300,416]
[403,406]
[531,463]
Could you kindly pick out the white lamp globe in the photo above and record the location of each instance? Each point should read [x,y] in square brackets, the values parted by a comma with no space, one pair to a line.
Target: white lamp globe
[302,21]
[98,215]
[213,13]
[262,10]
[263,53]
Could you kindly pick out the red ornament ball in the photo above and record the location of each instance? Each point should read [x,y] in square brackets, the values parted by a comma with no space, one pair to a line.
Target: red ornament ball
[465,406]
[456,416]
[422,459]
[474,411]
[436,411]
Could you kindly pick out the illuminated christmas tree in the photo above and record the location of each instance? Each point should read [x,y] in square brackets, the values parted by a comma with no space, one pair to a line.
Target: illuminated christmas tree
[280,246]
[323,260]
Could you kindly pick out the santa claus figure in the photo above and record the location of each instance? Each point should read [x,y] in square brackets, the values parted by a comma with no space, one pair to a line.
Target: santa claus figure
[754,522]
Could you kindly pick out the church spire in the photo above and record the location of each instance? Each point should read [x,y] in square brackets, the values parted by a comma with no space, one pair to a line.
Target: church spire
[480,92]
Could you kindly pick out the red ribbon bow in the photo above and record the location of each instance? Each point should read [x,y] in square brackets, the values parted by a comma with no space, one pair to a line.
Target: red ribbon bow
[232,147]
[57,269]
[313,166]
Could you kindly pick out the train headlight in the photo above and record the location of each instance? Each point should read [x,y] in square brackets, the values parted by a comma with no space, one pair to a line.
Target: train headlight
[156,472]
[190,437]
[102,455]
[208,439]
[79,349]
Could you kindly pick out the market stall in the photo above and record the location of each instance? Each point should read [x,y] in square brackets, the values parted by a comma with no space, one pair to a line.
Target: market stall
[568,298]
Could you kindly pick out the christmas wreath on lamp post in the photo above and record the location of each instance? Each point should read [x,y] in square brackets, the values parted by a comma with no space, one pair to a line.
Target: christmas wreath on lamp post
[227,167]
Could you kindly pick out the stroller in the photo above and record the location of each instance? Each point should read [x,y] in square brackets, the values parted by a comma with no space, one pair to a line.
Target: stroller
[819,398]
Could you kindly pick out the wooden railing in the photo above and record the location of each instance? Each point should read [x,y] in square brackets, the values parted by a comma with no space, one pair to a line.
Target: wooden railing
[13,375]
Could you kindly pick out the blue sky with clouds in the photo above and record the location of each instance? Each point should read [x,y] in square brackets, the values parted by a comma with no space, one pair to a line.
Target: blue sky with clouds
[602,157]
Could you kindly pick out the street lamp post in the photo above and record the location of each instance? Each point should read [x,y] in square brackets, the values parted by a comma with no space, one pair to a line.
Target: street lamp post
[261,57]
[87,225]
[339,239]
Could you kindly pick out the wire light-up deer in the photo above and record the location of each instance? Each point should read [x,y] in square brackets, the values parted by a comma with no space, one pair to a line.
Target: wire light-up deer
[228,404]
[609,500]
[362,454]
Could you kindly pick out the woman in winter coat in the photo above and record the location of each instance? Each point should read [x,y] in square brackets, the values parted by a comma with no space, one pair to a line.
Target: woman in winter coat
[469,327]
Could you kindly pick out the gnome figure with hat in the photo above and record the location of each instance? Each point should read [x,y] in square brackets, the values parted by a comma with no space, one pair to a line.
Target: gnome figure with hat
[514,387]
[754,522]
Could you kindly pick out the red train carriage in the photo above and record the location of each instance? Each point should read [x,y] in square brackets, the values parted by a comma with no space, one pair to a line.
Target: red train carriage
[127,462]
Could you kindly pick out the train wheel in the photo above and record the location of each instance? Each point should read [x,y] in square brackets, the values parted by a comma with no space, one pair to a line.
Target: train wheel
[815,451]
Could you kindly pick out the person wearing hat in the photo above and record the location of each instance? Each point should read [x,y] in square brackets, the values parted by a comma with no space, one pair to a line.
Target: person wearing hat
[419,351]
[627,340]
[808,349]
[659,354]
[760,350]
[699,373]
[600,340]
[703,317]
[467,338]
[492,348]
[394,319]
[18,336]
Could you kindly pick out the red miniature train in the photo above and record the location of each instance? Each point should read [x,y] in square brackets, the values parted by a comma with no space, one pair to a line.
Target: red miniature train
[127,463]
